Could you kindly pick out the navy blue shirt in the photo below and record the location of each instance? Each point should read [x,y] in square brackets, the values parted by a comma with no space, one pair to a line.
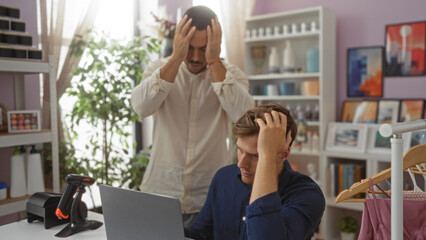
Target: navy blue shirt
[292,212]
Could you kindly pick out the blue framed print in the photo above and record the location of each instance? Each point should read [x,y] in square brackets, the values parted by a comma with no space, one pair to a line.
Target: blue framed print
[365,72]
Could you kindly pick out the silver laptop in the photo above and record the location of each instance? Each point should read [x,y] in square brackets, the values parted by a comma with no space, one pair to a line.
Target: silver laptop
[130,214]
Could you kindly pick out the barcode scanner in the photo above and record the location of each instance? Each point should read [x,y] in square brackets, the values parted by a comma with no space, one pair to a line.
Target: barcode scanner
[72,207]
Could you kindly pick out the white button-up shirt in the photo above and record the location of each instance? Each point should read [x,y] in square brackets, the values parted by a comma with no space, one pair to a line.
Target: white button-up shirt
[192,120]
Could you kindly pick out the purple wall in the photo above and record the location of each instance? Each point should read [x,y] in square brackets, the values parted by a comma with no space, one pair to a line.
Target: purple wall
[362,23]
[28,10]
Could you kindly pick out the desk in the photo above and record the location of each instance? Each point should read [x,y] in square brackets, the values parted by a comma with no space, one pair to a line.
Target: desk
[24,230]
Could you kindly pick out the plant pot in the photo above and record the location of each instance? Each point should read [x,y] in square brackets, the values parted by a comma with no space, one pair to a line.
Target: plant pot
[347,236]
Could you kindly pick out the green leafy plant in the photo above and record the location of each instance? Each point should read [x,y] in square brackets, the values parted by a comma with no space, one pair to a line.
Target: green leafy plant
[102,86]
[348,224]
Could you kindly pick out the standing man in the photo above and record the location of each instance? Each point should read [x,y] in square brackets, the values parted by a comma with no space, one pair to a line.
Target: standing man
[261,197]
[193,96]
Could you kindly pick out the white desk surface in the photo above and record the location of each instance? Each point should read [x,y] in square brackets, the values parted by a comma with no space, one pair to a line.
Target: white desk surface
[35,230]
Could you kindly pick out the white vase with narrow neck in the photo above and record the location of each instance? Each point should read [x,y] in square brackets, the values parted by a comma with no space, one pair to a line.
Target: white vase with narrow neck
[274,66]
[35,181]
[288,58]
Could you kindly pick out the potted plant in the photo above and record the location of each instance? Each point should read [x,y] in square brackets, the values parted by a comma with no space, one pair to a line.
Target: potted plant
[102,87]
[348,227]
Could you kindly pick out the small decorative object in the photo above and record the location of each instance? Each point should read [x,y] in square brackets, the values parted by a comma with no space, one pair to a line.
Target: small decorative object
[247,34]
[314,26]
[261,32]
[258,55]
[348,227]
[286,29]
[405,49]
[388,111]
[287,88]
[253,33]
[365,72]
[310,88]
[411,110]
[358,111]
[276,30]
[3,118]
[268,31]
[273,61]
[294,28]
[288,58]
[303,27]
[347,137]
[18,185]
[35,181]
[312,60]
[24,121]
[271,90]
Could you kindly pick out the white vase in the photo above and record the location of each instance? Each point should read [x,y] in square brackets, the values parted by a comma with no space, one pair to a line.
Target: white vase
[347,236]
[35,181]
[274,66]
[288,57]
[18,185]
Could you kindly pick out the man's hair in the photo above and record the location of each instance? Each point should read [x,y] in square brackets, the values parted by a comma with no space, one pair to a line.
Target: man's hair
[246,126]
[201,16]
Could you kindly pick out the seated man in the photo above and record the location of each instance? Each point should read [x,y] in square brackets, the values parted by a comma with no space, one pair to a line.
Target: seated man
[261,197]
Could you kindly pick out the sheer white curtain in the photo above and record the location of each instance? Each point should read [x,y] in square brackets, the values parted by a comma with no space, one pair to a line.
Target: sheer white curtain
[60,21]
[234,14]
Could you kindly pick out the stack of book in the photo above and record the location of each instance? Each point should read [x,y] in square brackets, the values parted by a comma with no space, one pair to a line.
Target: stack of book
[344,175]
[15,42]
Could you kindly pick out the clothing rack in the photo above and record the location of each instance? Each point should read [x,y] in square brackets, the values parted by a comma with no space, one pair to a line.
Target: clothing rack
[396,130]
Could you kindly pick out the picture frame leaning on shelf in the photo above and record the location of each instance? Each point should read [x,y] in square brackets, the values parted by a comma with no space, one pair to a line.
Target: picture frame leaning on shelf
[346,137]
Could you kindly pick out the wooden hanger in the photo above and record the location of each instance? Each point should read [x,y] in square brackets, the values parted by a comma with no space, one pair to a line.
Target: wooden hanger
[412,157]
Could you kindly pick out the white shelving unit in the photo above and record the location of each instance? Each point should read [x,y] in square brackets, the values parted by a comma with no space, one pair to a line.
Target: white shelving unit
[323,38]
[19,68]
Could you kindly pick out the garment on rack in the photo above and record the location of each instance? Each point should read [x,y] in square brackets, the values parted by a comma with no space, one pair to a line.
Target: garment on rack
[376,218]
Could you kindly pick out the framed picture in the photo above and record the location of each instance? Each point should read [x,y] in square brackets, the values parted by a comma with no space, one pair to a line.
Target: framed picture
[405,49]
[24,121]
[358,111]
[411,109]
[376,143]
[365,66]
[347,137]
[388,111]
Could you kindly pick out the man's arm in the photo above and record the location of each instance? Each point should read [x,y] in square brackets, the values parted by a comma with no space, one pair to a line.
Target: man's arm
[272,147]
[214,39]
[159,77]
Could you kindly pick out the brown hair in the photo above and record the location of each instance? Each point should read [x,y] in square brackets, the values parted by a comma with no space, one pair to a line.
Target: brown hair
[246,126]
[201,16]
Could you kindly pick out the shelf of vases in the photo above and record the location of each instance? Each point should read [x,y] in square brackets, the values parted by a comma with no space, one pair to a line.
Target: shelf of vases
[281,37]
[272,76]
[284,98]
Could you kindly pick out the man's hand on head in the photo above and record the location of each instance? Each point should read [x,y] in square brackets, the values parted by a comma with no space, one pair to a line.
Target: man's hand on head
[214,39]
[183,35]
[273,140]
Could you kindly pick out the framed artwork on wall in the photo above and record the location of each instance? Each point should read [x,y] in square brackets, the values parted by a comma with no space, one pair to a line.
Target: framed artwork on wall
[405,49]
[364,69]
[388,111]
[411,109]
[359,111]
[347,137]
